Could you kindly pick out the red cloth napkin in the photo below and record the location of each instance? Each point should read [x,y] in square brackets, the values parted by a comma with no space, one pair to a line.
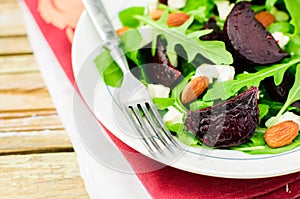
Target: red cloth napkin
[169,182]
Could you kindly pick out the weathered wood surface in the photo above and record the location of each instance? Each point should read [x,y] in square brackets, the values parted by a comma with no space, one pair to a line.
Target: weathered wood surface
[36,155]
[52,175]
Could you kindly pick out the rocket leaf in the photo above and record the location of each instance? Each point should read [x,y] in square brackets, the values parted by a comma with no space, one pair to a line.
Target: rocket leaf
[212,50]
[224,90]
[294,94]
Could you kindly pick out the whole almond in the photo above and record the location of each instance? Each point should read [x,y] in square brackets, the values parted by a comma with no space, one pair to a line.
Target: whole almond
[281,134]
[177,19]
[265,18]
[194,89]
[122,30]
[156,14]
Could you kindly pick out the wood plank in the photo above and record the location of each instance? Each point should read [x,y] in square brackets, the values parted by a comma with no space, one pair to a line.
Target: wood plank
[34,142]
[36,123]
[26,82]
[14,45]
[53,175]
[18,64]
[11,20]
[26,101]
[12,114]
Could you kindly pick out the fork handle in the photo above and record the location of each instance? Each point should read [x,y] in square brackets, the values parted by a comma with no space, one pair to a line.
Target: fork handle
[100,19]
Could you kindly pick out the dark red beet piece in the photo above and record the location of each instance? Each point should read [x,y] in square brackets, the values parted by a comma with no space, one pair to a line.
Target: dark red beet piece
[280,92]
[230,123]
[248,40]
[163,2]
[216,34]
[159,69]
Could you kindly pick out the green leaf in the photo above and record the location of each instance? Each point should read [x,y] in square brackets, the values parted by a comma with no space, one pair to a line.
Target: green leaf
[293,47]
[196,4]
[186,137]
[259,148]
[282,26]
[224,90]
[214,51]
[294,93]
[163,103]
[269,4]
[108,69]
[127,16]
[263,110]
[131,43]
[293,9]
[199,104]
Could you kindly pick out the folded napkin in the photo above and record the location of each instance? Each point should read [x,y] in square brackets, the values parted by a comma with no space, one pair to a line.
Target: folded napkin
[166,182]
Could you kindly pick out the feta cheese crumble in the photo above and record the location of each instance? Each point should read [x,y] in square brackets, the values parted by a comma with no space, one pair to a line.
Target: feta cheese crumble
[285,117]
[281,39]
[173,116]
[176,4]
[220,72]
[159,91]
[224,8]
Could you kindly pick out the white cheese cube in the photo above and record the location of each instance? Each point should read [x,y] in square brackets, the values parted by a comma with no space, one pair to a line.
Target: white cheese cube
[159,91]
[176,4]
[224,8]
[281,39]
[285,117]
[220,72]
[173,116]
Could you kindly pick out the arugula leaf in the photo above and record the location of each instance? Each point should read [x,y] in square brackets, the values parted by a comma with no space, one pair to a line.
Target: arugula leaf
[294,93]
[192,5]
[186,137]
[131,43]
[281,26]
[293,47]
[127,16]
[214,51]
[199,104]
[269,4]
[224,90]
[256,146]
[263,110]
[163,103]
[108,69]
[293,9]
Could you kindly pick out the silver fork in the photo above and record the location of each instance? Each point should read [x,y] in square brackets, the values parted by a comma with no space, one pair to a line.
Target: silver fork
[134,97]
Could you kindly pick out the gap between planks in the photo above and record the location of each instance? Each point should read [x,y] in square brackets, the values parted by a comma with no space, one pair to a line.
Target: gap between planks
[14,45]
[45,141]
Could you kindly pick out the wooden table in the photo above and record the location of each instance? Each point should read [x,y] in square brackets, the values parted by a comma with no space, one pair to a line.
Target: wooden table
[36,156]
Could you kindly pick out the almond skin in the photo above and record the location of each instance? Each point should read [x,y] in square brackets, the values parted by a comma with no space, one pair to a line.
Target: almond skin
[177,19]
[281,134]
[156,14]
[265,18]
[194,89]
[122,30]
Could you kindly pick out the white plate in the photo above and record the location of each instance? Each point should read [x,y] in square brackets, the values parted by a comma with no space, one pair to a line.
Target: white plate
[220,163]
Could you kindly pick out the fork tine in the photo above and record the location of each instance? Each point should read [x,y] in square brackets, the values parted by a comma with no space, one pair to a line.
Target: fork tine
[155,128]
[133,122]
[145,129]
[161,123]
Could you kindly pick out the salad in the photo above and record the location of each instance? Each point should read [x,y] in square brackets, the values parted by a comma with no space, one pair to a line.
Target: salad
[223,74]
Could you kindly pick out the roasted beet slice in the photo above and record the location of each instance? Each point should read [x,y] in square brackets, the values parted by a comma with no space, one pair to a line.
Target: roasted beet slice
[159,70]
[248,40]
[230,123]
